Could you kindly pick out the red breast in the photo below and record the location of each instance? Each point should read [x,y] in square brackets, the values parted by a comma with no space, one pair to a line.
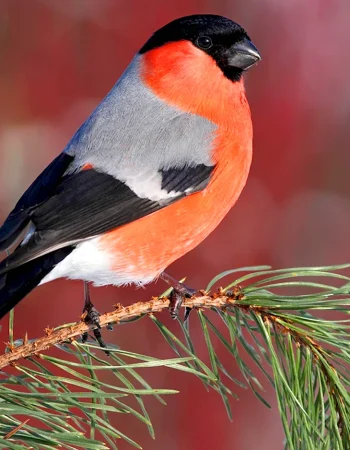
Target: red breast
[187,78]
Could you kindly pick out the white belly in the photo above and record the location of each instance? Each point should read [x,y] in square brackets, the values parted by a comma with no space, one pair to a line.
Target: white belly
[87,262]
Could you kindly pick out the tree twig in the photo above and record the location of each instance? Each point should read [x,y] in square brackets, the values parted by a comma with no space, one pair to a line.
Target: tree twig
[120,314]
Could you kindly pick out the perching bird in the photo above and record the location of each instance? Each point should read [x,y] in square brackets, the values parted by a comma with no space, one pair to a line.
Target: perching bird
[149,175]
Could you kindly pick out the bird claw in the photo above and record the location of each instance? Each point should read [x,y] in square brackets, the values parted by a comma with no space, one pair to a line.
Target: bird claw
[187,314]
[175,302]
[92,317]
[176,299]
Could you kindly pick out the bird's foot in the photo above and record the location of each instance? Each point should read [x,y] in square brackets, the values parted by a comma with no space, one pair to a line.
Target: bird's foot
[92,318]
[177,295]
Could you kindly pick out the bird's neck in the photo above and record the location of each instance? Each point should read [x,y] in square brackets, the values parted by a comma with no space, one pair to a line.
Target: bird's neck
[189,79]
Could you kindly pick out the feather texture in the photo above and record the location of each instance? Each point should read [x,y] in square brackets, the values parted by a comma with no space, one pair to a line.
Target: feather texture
[40,190]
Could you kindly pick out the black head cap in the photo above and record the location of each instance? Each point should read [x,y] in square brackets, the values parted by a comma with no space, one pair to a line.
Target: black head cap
[221,38]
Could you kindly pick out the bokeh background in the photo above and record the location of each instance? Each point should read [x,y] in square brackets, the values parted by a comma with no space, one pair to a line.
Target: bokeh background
[60,57]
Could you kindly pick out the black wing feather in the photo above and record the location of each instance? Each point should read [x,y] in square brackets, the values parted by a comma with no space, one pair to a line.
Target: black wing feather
[179,180]
[39,191]
[16,284]
[88,203]
[84,205]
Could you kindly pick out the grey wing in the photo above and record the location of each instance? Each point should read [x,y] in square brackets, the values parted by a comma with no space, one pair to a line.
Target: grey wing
[133,135]
[145,155]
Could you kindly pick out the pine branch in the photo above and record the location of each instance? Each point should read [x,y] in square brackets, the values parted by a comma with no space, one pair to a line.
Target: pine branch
[305,357]
[67,333]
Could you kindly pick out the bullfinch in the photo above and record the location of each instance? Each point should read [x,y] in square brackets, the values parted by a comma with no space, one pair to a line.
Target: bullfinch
[152,171]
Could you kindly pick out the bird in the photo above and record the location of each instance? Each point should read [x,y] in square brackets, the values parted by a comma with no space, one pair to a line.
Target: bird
[148,176]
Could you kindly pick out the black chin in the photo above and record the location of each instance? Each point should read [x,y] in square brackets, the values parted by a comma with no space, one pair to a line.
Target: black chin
[232,73]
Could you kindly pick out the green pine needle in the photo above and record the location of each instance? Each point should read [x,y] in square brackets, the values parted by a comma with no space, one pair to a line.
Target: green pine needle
[273,321]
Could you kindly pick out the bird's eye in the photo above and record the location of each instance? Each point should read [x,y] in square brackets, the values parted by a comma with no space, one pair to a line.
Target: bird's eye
[204,42]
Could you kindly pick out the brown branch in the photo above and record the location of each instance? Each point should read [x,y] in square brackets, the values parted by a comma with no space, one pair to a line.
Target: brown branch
[120,314]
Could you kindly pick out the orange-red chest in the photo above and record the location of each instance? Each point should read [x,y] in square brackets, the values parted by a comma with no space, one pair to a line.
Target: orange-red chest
[146,247]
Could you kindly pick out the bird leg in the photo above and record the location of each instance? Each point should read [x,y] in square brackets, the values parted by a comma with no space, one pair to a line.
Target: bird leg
[177,295]
[92,317]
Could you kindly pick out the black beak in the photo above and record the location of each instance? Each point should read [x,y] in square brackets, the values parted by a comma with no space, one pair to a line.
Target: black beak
[243,55]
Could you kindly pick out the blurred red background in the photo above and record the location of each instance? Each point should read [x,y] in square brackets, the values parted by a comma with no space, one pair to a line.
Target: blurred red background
[59,59]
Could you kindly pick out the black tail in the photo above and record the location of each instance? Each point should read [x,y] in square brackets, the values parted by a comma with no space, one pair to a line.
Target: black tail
[18,282]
